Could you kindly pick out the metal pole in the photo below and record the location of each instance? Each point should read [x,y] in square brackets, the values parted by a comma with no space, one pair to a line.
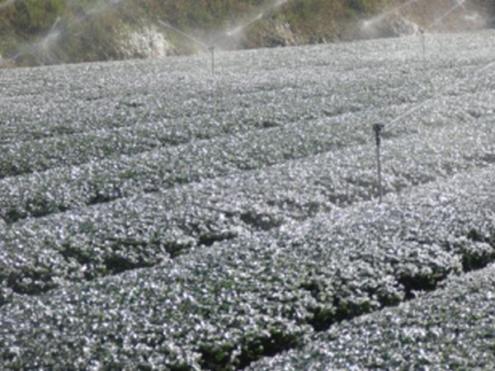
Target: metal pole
[377,128]
[423,44]
[212,51]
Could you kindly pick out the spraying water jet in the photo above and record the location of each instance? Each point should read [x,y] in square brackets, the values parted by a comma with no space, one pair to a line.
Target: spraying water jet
[201,44]
[370,24]
[239,29]
[224,37]
[43,50]
[457,5]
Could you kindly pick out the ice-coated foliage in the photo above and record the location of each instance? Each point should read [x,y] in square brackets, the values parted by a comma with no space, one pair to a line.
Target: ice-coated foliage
[449,329]
[171,219]
[210,306]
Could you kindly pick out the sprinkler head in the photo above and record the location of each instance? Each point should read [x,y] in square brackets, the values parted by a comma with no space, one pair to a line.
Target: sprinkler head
[377,128]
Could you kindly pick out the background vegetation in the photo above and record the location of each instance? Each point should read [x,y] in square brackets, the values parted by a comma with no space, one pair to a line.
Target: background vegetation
[53,31]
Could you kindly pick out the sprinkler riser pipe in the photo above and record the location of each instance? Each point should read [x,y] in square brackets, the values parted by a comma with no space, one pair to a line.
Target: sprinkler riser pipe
[423,44]
[377,128]
[212,51]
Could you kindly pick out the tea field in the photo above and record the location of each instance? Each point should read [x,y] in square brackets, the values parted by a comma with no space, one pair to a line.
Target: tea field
[156,216]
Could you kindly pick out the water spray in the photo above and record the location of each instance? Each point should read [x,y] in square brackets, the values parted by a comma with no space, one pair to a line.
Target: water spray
[258,17]
[367,24]
[447,86]
[186,35]
[457,4]
[203,45]
[238,29]
[422,32]
[41,50]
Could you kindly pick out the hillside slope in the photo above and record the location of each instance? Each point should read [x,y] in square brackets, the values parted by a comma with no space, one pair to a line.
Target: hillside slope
[57,31]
